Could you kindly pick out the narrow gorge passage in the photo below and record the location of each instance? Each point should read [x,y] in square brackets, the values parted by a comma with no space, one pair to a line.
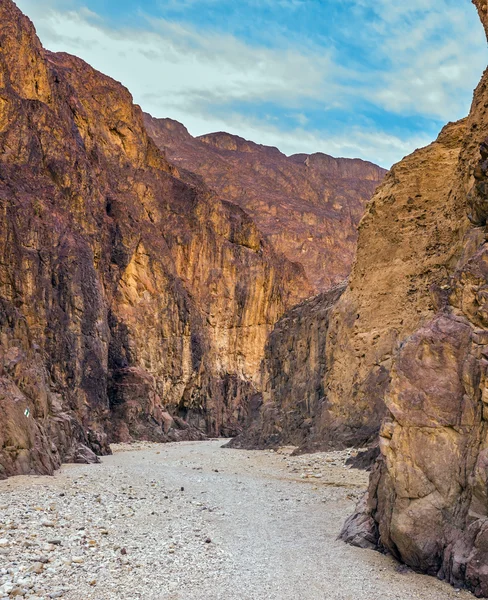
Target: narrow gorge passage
[195,521]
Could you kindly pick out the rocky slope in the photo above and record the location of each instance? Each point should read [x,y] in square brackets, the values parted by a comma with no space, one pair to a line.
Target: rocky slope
[307,206]
[133,303]
[427,502]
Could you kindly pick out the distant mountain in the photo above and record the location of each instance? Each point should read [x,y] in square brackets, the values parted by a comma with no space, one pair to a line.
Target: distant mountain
[308,206]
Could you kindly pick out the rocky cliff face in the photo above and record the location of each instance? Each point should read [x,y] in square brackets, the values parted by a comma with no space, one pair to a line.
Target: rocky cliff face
[307,206]
[409,239]
[427,502]
[294,374]
[132,301]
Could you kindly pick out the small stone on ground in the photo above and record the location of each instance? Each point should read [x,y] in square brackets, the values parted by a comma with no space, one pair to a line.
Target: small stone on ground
[249,526]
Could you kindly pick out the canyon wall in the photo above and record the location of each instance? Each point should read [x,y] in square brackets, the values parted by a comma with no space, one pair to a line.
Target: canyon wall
[308,206]
[427,502]
[409,239]
[133,301]
[294,372]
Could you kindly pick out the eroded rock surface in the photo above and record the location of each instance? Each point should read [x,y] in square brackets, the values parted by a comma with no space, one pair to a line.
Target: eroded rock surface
[428,502]
[133,302]
[308,206]
[294,378]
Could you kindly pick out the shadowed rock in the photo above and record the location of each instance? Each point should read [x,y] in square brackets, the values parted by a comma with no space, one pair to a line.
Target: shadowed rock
[294,373]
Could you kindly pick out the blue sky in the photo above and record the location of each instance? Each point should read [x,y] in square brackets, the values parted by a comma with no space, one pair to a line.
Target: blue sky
[368,78]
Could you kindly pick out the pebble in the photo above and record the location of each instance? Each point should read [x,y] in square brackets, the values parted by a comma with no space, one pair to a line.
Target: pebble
[122,530]
[48,523]
[36,568]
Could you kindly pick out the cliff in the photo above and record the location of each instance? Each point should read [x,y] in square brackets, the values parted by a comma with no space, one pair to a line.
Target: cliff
[308,206]
[294,372]
[427,502]
[409,241]
[133,301]
[409,238]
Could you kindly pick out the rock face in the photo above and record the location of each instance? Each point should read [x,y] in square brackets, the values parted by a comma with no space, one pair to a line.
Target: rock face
[409,238]
[482,8]
[307,206]
[294,376]
[427,501]
[133,302]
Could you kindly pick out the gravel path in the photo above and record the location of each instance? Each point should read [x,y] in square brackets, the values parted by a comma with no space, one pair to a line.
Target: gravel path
[194,521]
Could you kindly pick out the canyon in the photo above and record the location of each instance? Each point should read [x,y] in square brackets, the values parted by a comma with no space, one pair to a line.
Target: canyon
[150,289]
[136,297]
[403,359]
[409,239]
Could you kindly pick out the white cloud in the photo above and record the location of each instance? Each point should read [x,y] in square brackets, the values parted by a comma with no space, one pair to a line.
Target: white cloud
[174,70]
[176,64]
[436,54]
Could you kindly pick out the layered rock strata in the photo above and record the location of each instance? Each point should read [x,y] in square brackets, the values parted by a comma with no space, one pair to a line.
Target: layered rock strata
[308,206]
[133,302]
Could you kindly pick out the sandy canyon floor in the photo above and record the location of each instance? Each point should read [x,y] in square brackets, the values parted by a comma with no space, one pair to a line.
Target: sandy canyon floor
[194,521]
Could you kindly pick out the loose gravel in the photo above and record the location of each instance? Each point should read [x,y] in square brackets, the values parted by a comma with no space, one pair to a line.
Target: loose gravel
[194,521]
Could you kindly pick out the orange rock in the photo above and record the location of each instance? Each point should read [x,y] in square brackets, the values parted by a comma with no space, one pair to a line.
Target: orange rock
[127,289]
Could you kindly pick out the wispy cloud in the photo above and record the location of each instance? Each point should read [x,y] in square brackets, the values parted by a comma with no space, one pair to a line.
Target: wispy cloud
[347,77]
[434,55]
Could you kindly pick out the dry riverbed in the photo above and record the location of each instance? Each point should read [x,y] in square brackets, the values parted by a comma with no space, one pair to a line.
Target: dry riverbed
[194,521]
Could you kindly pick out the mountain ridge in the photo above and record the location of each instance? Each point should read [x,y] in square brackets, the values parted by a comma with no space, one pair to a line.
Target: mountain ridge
[308,206]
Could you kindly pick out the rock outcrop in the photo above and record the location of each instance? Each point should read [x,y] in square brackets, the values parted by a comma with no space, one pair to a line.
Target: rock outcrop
[308,206]
[133,302]
[427,502]
[294,377]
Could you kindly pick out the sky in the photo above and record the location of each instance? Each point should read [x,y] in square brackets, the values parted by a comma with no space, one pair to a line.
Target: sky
[373,79]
